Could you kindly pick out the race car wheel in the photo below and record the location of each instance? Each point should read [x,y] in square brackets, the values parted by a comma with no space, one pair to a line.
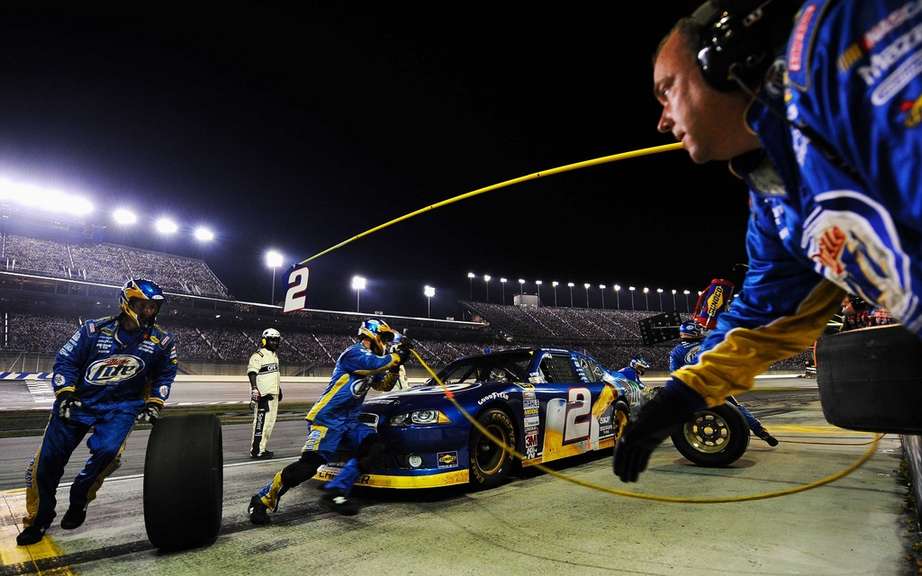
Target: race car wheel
[715,437]
[183,482]
[491,464]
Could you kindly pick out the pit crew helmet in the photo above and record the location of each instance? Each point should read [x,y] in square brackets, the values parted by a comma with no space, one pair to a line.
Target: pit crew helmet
[270,339]
[639,364]
[378,332]
[689,330]
[140,289]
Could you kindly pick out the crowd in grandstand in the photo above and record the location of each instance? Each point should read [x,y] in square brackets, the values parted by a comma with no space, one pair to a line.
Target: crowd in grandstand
[108,264]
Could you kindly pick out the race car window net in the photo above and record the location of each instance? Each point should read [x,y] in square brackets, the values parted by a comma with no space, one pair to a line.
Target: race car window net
[512,367]
[559,369]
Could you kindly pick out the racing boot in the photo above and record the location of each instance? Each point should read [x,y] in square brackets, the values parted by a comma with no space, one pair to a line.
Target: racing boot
[267,455]
[258,512]
[73,518]
[766,437]
[30,535]
[337,501]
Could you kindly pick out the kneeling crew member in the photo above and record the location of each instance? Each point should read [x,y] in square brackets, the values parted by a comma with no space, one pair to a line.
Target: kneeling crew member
[333,424]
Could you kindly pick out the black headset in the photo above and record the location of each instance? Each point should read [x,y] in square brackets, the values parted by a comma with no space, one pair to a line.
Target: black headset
[740,39]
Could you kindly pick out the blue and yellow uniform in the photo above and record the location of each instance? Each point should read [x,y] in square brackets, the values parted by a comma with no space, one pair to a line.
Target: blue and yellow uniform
[333,423]
[822,225]
[113,373]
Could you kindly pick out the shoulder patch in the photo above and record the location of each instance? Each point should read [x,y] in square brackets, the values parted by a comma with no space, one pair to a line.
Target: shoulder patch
[91,327]
[800,43]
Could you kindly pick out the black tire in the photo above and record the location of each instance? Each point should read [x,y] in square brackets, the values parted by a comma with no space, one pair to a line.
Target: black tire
[871,379]
[491,465]
[183,482]
[715,437]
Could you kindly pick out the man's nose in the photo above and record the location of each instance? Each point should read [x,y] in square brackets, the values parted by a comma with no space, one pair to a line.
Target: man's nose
[665,122]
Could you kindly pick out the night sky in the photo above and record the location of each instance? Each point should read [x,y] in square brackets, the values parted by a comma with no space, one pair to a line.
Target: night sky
[296,130]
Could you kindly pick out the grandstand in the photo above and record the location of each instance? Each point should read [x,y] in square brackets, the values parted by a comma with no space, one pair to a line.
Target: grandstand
[48,288]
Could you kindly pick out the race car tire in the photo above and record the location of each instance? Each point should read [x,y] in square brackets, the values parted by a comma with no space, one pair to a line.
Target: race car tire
[490,465]
[871,379]
[714,438]
[183,482]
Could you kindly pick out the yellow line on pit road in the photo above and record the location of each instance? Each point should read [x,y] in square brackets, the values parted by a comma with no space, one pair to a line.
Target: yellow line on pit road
[12,509]
[818,429]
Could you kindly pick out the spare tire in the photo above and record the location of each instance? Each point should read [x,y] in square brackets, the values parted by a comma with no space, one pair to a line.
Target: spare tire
[871,379]
[183,482]
[714,437]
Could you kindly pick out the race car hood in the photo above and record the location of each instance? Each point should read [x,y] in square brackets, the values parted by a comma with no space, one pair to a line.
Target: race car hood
[422,398]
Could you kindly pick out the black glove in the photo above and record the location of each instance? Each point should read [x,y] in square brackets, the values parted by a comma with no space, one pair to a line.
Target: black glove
[254,396]
[67,401]
[670,407]
[280,394]
[403,350]
[150,413]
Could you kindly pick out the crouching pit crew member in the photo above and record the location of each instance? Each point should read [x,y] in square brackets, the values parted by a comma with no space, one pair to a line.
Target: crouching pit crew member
[333,425]
[819,122]
[265,392]
[111,372]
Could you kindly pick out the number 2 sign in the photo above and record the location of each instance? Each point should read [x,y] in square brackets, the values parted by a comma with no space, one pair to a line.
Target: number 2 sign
[296,297]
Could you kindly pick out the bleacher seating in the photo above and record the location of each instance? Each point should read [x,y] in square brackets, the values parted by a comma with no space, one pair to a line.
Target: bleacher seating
[109,264]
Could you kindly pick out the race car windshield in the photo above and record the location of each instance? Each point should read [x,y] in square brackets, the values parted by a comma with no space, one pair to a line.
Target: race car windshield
[498,367]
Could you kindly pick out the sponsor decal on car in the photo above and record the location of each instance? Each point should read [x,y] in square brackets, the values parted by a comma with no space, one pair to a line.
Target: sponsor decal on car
[531,443]
[531,421]
[447,459]
[113,369]
[493,396]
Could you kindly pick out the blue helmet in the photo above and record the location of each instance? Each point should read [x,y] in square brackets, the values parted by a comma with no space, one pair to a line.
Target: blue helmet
[639,364]
[378,332]
[689,330]
[140,289]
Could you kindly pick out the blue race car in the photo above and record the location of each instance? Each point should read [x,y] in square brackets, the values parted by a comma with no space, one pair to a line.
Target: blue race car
[547,403]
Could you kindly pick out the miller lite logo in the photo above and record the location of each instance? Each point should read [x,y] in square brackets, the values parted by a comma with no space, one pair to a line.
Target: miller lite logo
[113,369]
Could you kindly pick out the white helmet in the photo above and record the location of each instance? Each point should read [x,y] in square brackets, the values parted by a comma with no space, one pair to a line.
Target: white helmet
[270,336]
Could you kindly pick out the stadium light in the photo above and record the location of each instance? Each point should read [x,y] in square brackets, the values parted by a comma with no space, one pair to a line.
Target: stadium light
[502,282]
[602,290]
[586,286]
[124,217]
[632,288]
[555,284]
[674,306]
[538,284]
[428,292]
[660,292]
[203,234]
[274,259]
[618,295]
[570,286]
[686,292]
[486,283]
[358,284]
[521,286]
[165,226]
[646,298]
[470,279]
[47,199]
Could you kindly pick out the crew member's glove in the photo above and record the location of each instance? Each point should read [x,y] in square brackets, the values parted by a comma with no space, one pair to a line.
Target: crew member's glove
[67,401]
[671,406]
[254,397]
[403,350]
[150,413]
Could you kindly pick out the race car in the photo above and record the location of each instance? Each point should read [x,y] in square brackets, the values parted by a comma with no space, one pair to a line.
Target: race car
[548,403]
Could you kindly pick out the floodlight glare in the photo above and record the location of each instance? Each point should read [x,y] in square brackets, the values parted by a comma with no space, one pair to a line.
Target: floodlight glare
[570,284]
[487,277]
[124,217]
[521,281]
[686,292]
[503,280]
[538,282]
[631,288]
[617,287]
[673,291]
[428,291]
[602,286]
[555,283]
[274,258]
[659,290]
[471,275]
[645,289]
[166,226]
[203,234]
[359,282]
[586,285]
[48,199]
